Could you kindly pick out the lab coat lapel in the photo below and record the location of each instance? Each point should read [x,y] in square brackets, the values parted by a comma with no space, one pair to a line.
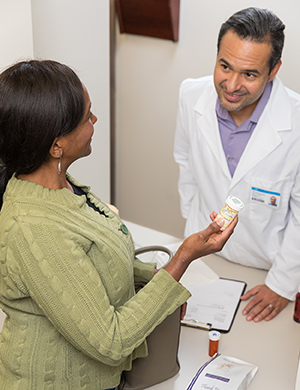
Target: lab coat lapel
[266,136]
[209,128]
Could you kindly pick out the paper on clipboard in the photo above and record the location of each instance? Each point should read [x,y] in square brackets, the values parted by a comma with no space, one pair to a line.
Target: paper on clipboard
[198,273]
[214,304]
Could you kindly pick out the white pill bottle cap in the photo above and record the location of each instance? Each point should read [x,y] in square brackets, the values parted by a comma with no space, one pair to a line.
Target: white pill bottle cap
[214,335]
[234,203]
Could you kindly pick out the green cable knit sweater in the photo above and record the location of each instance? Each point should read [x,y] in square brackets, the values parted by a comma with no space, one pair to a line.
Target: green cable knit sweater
[67,287]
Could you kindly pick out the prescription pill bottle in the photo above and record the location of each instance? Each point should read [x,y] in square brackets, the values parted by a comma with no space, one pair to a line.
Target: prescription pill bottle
[297,307]
[214,338]
[231,208]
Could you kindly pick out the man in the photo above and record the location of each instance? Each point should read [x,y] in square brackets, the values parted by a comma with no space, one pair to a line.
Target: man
[238,133]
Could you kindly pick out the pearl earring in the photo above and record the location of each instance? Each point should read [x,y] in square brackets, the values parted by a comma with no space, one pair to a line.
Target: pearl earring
[59,165]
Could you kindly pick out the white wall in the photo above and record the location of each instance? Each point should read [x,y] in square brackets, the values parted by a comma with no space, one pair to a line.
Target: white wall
[148,74]
[15,31]
[77,33]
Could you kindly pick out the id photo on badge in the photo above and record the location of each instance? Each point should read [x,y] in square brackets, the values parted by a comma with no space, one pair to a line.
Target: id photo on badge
[273,201]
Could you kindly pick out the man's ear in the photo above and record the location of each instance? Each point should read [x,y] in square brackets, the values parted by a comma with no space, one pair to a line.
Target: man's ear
[275,70]
[56,148]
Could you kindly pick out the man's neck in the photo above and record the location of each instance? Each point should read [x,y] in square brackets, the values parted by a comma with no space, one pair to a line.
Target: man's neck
[241,116]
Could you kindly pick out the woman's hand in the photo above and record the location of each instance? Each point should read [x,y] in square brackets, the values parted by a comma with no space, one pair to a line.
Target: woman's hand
[183,311]
[213,215]
[210,240]
[200,244]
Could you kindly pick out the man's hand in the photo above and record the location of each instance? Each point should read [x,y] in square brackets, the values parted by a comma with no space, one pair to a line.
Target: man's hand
[265,304]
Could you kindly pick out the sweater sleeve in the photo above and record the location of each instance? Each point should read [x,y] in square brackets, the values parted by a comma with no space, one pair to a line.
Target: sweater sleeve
[57,273]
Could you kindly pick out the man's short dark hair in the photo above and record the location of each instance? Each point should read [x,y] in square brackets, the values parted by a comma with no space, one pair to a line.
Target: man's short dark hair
[259,25]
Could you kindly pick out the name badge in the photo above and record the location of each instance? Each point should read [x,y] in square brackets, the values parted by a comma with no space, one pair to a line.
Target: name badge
[265,197]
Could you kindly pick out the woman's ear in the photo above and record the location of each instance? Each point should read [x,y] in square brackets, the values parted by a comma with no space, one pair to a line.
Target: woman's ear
[56,148]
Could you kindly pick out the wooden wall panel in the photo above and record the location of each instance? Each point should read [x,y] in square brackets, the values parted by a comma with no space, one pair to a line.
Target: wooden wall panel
[153,18]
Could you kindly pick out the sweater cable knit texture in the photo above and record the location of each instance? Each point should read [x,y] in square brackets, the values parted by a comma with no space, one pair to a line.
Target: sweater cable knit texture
[67,278]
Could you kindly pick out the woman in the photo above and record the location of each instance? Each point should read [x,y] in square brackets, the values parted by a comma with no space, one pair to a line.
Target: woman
[67,266]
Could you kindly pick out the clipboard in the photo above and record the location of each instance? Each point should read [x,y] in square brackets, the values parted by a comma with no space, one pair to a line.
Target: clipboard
[213,306]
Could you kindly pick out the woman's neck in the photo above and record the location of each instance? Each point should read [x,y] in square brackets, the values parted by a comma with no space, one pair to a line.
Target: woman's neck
[48,178]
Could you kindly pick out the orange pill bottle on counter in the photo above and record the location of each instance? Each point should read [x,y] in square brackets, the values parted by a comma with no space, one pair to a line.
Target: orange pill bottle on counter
[214,338]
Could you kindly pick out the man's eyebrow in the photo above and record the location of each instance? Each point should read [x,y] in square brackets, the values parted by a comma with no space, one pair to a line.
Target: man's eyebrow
[255,71]
[225,62]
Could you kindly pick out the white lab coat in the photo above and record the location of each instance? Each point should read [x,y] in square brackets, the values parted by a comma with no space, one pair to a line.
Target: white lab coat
[266,237]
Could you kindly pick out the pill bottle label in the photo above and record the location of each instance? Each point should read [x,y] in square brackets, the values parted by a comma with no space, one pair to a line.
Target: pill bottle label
[228,215]
[231,208]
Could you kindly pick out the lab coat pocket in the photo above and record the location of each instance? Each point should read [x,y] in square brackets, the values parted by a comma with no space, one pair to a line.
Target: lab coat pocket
[269,198]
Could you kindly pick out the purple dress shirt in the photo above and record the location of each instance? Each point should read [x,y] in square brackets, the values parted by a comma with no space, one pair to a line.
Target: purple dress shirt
[234,138]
